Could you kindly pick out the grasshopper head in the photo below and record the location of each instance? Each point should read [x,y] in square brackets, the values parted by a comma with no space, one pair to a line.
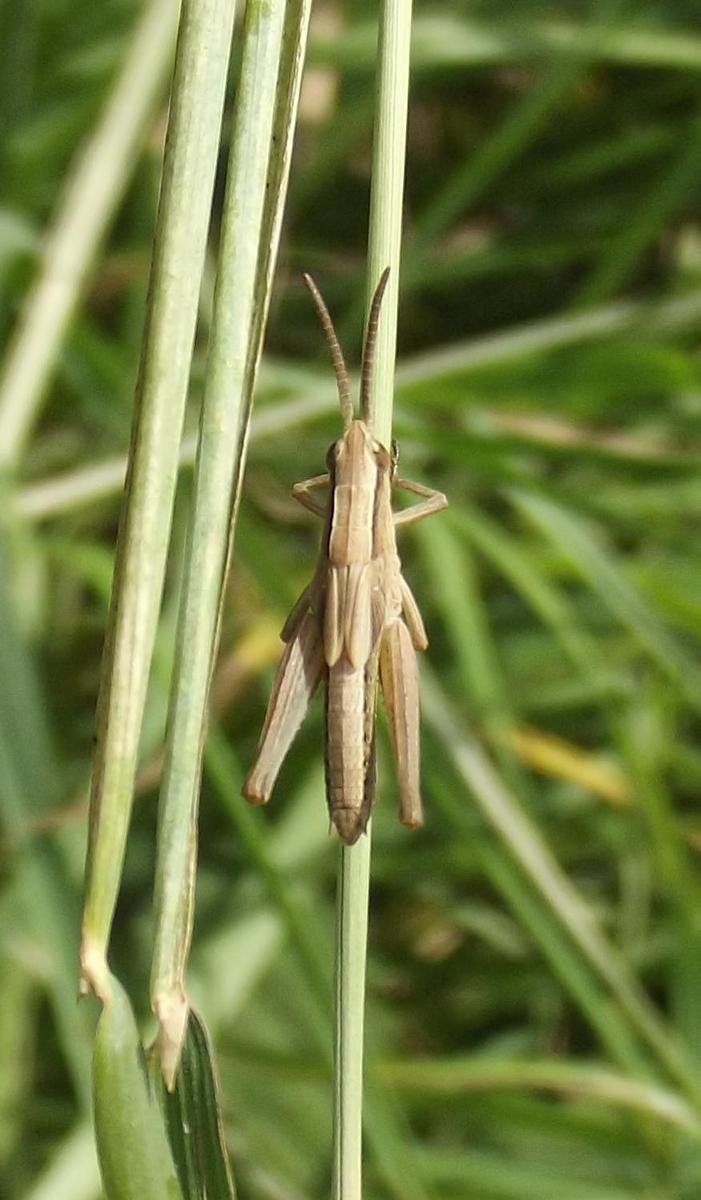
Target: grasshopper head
[355,451]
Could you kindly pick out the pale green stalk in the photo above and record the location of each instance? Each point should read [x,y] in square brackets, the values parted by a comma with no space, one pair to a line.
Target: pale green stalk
[389,149]
[274,43]
[90,198]
[186,192]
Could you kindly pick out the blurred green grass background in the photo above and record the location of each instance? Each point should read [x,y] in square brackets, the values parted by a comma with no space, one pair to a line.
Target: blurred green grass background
[534,1007]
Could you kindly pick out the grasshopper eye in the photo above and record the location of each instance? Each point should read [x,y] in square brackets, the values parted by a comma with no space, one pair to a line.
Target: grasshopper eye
[394,452]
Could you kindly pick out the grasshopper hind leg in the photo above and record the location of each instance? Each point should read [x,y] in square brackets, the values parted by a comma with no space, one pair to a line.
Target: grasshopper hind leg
[400,687]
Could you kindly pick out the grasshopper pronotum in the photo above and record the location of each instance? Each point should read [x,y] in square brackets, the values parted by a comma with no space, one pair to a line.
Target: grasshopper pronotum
[357,617]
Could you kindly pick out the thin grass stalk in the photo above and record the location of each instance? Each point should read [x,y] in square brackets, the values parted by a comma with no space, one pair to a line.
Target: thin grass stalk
[269,851]
[274,42]
[386,202]
[188,178]
[93,190]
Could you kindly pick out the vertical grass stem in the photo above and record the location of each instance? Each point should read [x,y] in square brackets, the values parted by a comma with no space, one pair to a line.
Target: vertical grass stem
[197,100]
[266,106]
[389,148]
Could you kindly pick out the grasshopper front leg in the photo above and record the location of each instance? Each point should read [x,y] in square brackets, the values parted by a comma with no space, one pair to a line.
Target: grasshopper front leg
[301,492]
[434,501]
[296,681]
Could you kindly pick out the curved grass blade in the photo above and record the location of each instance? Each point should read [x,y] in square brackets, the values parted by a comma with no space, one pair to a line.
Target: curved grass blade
[508,557]
[597,568]
[78,489]
[92,192]
[583,1080]
[540,867]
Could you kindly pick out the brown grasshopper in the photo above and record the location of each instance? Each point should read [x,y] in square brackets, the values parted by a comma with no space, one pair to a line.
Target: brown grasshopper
[356,618]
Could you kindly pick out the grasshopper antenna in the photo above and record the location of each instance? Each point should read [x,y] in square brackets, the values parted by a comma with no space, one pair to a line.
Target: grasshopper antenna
[369,347]
[337,358]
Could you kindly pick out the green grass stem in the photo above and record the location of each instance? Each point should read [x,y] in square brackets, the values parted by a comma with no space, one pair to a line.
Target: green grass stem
[273,50]
[188,177]
[386,207]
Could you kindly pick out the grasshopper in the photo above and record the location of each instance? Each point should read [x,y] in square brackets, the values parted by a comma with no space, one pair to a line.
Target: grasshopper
[356,619]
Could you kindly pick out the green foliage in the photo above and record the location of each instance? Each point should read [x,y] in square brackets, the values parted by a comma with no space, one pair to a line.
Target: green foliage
[192,1114]
[135,1159]
[534,980]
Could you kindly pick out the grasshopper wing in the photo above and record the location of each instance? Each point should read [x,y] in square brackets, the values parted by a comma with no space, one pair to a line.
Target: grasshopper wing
[297,677]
